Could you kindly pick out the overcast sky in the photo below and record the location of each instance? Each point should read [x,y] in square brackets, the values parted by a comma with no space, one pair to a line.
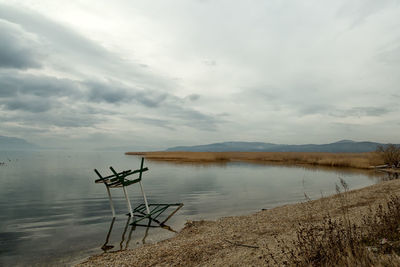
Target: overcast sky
[155,74]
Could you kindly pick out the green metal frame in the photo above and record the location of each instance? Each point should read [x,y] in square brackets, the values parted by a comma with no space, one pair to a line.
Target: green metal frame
[143,211]
[119,179]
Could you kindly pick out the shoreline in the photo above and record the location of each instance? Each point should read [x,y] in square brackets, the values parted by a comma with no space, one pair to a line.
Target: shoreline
[342,160]
[245,240]
[368,161]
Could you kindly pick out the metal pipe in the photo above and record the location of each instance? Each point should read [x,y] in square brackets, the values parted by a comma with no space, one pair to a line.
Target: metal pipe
[172,214]
[145,199]
[141,186]
[127,201]
[111,202]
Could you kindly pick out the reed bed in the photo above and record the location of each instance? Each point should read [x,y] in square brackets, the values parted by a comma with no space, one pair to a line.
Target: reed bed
[348,160]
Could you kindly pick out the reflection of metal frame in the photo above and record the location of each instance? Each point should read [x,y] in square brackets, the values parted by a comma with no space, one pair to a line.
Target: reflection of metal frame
[156,210]
[106,247]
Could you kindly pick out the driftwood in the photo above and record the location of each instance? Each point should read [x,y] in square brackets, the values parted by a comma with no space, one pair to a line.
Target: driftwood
[379,166]
[240,244]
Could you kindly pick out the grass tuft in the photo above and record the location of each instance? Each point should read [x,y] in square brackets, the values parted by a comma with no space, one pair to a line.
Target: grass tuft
[342,242]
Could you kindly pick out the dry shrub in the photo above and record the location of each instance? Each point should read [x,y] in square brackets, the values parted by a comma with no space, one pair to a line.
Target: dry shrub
[390,154]
[341,242]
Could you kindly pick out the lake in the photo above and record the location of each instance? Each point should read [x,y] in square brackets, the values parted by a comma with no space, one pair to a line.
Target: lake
[52,212]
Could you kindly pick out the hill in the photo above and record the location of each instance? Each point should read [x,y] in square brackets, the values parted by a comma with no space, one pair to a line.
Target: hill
[342,146]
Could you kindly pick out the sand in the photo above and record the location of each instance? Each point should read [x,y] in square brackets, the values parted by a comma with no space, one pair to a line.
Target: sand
[244,240]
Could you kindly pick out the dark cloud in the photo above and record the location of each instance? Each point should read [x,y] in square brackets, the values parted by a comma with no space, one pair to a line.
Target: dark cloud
[360,112]
[68,51]
[15,83]
[195,119]
[17,48]
[162,123]
[314,109]
[69,103]
[42,101]
[115,93]
[210,62]
[100,92]
[193,97]
[27,104]
[337,112]
[151,98]
[63,117]
[43,27]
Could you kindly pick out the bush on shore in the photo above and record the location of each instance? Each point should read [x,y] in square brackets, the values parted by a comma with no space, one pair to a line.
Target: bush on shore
[390,154]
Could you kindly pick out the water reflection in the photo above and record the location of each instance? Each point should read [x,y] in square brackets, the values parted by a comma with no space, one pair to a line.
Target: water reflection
[127,236]
[43,195]
[107,247]
[309,167]
[390,175]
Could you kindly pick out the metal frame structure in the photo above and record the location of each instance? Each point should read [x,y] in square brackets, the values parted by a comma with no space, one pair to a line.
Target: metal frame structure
[143,211]
[118,179]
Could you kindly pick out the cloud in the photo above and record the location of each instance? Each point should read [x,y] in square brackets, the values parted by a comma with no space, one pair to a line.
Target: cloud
[17,47]
[161,123]
[114,93]
[391,56]
[267,71]
[49,101]
[53,33]
[34,105]
[73,54]
[210,62]
[360,112]
[101,92]
[360,10]
[14,83]
[63,117]
[193,97]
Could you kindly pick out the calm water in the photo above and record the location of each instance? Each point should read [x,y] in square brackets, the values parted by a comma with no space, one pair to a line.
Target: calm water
[52,212]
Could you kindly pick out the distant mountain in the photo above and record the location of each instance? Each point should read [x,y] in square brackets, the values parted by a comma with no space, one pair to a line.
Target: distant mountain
[14,143]
[337,147]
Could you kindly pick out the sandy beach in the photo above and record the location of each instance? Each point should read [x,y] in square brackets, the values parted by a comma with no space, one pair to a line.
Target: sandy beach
[246,240]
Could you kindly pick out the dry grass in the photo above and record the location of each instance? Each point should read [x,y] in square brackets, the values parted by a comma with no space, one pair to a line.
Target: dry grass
[342,241]
[351,160]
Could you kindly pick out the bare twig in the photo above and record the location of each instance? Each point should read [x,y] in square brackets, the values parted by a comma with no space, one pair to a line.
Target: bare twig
[240,244]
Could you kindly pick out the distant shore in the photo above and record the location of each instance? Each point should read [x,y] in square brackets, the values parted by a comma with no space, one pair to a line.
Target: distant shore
[342,160]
